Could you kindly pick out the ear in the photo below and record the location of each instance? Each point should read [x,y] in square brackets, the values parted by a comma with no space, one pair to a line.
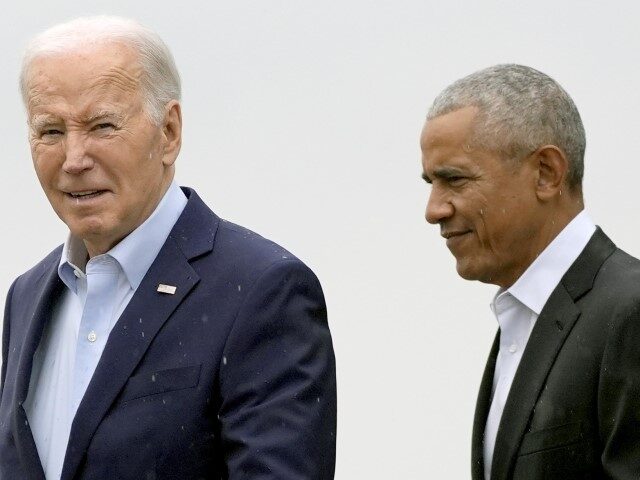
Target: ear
[552,167]
[172,132]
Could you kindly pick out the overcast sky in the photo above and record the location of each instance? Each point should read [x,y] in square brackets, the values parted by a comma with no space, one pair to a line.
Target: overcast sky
[301,121]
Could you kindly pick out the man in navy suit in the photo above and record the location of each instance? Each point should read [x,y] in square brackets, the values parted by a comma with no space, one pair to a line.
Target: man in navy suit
[159,342]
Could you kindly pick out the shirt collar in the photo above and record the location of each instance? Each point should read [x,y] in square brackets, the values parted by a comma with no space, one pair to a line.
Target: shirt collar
[137,251]
[535,285]
[73,261]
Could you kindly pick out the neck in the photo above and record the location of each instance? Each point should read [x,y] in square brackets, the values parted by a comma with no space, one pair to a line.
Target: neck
[551,222]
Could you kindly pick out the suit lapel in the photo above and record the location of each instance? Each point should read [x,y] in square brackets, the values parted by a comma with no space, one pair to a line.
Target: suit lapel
[551,329]
[482,411]
[49,287]
[554,324]
[141,320]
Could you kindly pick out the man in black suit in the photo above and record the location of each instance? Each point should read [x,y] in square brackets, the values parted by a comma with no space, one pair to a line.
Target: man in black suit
[503,152]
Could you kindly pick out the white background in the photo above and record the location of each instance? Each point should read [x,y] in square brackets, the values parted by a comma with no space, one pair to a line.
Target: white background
[301,122]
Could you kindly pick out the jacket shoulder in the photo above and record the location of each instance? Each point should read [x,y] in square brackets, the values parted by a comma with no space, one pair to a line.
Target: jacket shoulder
[620,271]
[206,237]
[616,289]
[248,249]
[31,276]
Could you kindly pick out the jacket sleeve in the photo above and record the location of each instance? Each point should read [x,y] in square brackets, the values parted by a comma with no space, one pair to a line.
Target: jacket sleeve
[278,381]
[619,400]
[6,330]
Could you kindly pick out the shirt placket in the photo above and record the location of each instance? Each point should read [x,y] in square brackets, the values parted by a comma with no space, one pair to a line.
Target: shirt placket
[102,282]
[507,310]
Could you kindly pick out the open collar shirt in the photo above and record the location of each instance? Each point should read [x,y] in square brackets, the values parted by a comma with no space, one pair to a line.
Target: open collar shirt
[517,309]
[97,292]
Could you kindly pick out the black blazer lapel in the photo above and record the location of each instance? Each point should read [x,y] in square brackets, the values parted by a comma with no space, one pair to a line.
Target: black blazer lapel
[550,331]
[482,411]
[50,288]
[554,324]
[141,320]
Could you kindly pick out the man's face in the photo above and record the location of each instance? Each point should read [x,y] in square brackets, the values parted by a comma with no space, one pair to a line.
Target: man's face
[99,158]
[485,205]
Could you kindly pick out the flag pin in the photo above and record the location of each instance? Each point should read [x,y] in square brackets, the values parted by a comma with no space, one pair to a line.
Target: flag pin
[170,289]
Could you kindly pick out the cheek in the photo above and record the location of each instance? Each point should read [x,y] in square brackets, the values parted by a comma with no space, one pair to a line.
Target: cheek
[45,165]
[491,223]
[478,211]
[505,229]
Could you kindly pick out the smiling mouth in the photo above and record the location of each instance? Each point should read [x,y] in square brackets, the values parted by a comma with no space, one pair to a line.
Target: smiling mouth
[454,238]
[448,235]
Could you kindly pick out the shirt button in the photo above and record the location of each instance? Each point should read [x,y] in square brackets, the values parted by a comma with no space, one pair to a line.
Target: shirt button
[76,273]
[513,348]
[92,337]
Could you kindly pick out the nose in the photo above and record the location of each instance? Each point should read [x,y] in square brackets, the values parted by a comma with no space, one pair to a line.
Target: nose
[439,207]
[76,160]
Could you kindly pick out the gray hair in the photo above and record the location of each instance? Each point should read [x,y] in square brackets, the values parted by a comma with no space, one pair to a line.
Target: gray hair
[521,109]
[160,82]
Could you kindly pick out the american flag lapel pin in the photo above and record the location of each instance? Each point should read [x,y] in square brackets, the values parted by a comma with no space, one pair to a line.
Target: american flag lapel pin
[170,289]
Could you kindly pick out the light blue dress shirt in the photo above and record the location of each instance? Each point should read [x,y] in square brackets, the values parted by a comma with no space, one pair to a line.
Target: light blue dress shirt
[98,290]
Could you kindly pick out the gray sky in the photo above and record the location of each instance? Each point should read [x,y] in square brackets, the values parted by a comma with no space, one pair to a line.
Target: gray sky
[301,122]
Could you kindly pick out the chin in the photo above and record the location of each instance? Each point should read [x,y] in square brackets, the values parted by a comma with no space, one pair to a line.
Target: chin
[87,228]
[472,272]
[467,275]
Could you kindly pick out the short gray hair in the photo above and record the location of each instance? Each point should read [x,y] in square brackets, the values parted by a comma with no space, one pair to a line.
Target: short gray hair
[160,81]
[521,109]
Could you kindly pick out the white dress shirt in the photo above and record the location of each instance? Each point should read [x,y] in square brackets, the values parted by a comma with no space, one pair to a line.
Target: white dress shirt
[517,310]
[98,290]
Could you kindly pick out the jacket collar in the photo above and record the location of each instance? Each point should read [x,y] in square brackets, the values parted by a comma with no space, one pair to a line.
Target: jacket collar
[554,324]
[192,236]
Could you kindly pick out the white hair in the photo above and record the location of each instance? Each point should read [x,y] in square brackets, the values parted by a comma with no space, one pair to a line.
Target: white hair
[521,109]
[160,82]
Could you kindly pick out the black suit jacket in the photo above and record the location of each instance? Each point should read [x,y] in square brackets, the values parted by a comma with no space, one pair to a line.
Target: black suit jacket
[233,376]
[573,411]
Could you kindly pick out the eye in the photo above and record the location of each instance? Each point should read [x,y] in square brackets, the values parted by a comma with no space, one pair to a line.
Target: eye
[104,126]
[50,132]
[456,180]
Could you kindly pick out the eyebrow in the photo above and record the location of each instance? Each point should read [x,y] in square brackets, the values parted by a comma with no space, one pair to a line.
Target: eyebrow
[39,121]
[443,173]
[101,115]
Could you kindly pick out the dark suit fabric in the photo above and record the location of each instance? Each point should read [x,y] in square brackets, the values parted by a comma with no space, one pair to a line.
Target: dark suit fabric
[231,377]
[573,411]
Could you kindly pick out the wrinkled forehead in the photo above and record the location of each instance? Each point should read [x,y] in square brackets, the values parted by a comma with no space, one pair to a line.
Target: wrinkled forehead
[91,67]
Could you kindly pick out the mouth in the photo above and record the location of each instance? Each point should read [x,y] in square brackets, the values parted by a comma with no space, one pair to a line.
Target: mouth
[454,237]
[457,233]
[84,194]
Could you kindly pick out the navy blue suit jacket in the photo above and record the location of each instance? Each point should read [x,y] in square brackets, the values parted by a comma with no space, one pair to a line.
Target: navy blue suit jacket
[233,376]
